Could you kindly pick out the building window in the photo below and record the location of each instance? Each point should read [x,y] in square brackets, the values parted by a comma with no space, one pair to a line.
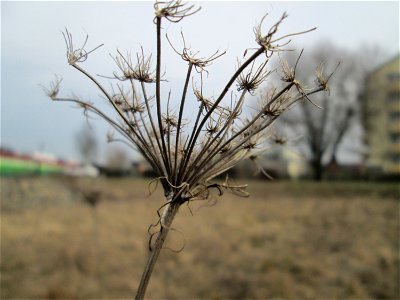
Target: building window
[395,159]
[395,137]
[393,96]
[394,116]
[393,77]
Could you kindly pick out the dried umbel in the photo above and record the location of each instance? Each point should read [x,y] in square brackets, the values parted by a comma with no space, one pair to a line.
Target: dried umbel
[187,154]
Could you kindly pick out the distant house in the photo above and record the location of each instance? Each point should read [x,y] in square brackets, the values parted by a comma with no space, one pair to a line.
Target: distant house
[381,117]
[144,169]
[83,170]
[282,162]
[277,162]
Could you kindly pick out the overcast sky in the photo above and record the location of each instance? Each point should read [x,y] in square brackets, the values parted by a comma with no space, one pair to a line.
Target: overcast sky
[32,50]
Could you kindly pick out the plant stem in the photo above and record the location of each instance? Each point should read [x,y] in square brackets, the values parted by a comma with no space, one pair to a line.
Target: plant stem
[166,221]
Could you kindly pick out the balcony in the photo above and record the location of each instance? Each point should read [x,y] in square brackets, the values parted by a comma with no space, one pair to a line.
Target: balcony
[394,148]
[393,86]
[393,106]
[393,168]
[394,127]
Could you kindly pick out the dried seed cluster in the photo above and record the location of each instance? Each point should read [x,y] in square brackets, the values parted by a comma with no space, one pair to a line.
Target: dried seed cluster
[187,155]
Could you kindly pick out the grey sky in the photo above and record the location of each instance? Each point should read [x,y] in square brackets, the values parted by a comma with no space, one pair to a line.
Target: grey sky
[32,50]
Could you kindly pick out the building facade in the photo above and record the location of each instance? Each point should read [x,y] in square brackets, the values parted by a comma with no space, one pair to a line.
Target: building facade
[381,117]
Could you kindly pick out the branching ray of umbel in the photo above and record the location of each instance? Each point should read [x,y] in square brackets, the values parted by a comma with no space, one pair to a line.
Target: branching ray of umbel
[186,156]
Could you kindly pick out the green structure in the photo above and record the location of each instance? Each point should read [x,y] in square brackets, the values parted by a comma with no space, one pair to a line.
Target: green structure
[10,166]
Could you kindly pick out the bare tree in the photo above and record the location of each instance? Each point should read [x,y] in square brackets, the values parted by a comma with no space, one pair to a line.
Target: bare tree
[87,143]
[322,131]
[187,155]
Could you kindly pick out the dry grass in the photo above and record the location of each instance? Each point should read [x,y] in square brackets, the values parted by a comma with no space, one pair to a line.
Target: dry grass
[288,240]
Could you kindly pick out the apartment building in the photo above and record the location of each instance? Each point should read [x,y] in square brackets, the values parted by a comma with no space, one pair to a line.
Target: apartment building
[381,117]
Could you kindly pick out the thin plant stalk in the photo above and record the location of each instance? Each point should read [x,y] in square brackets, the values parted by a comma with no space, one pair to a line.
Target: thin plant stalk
[167,220]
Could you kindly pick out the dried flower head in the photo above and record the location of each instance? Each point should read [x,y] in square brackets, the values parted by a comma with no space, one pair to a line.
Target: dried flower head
[174,11]
[265,41]
[76,55]
[141,71]
[269,42]
[321,78]
[170,120]
[206,102]
[187,155]
[275,107]
[54,88]
[288,73]
[252,79]
[188,55]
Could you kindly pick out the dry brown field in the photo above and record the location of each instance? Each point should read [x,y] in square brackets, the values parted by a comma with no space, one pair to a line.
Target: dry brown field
[288,240]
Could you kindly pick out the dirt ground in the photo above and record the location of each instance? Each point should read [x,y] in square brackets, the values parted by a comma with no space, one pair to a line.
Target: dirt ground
[288,240]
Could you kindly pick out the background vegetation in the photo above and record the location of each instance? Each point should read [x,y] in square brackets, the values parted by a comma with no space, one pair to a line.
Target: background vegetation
[298,240]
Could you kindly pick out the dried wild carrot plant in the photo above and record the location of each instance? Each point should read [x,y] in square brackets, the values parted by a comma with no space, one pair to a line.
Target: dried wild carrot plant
[186,156]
